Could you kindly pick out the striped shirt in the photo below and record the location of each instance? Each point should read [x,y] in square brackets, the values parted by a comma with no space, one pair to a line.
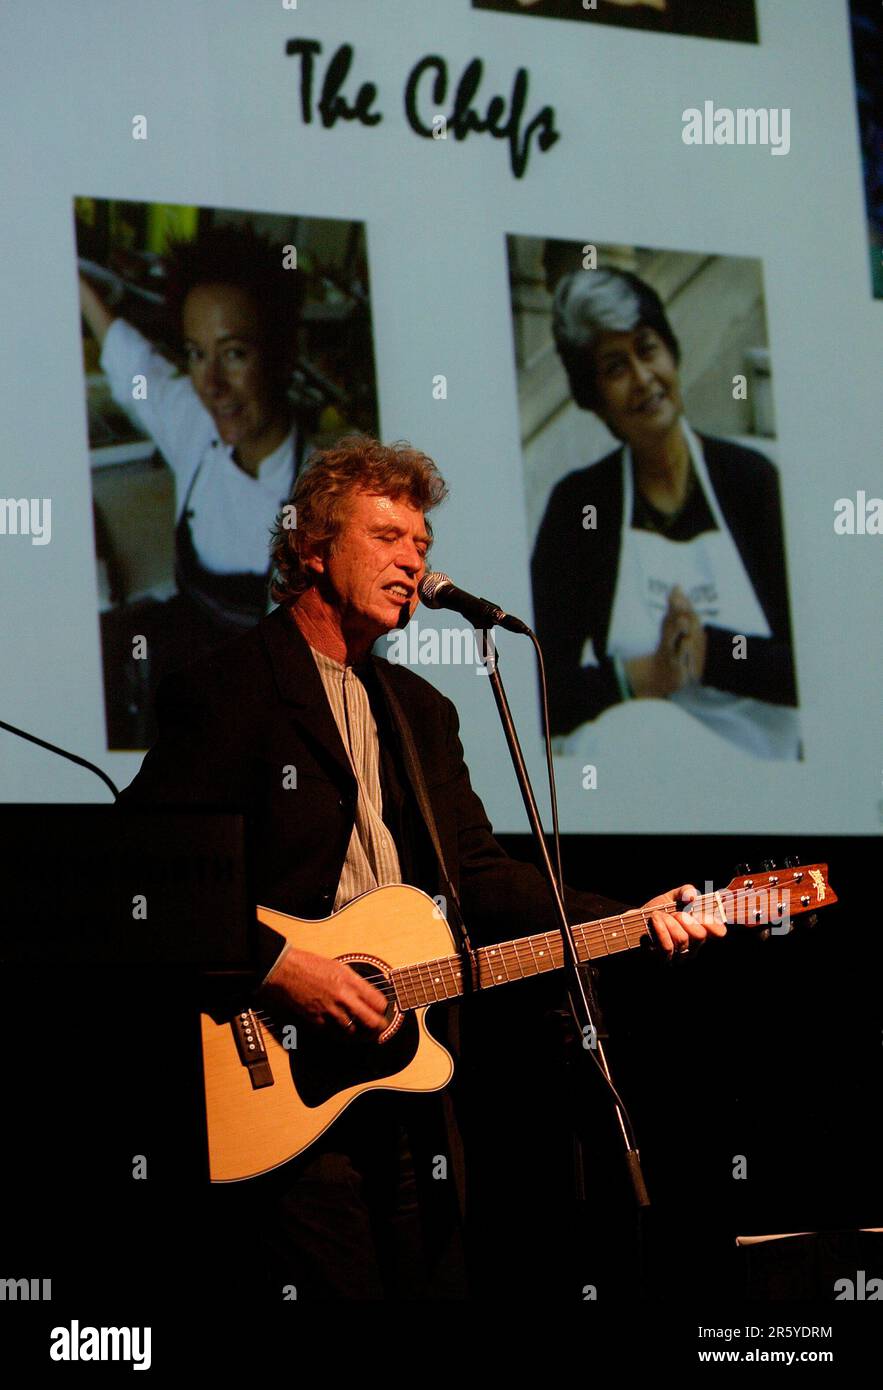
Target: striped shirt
[371,858]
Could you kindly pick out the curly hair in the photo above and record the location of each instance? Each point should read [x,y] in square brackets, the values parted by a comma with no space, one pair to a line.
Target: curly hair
[232,254]
[321,496]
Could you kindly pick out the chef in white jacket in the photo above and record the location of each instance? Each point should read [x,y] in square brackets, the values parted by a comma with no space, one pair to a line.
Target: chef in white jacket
[225,428]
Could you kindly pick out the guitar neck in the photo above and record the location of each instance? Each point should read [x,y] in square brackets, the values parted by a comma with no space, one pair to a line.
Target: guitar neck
[775,895]
[431,981]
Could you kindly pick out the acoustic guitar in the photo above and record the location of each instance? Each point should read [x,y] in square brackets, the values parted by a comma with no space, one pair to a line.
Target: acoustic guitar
[272,1087]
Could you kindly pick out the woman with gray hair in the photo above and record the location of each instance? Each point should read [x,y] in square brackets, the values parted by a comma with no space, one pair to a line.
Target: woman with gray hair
[659,571]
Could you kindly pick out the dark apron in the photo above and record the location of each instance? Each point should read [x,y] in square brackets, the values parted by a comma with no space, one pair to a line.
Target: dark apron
[223,604]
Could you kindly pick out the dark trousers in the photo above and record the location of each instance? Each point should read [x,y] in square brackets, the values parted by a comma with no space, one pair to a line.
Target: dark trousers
[362,1215]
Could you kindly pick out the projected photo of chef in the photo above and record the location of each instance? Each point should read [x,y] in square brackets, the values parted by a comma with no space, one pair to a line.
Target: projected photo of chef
[220,347]
[708,19]
[658,565]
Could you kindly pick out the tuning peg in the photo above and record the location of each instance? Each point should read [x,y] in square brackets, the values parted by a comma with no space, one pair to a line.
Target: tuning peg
[742,870]
[790,861]
[766,866]
[812,920]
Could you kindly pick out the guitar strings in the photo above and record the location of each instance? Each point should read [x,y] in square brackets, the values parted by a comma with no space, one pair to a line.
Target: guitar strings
[634,923]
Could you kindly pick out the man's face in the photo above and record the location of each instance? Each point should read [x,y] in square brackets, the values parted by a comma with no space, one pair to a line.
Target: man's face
[226,360]
[372,570]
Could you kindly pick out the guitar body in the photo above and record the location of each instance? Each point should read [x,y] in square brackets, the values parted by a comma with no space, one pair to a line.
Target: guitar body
[261,1114]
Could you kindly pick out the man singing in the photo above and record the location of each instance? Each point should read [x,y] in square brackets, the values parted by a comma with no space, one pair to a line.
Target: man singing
[361,1213]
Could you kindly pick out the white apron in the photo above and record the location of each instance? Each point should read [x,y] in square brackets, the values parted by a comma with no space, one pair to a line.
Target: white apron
[710,572]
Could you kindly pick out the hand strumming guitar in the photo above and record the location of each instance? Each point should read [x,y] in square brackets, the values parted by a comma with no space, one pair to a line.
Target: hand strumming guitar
[323,992]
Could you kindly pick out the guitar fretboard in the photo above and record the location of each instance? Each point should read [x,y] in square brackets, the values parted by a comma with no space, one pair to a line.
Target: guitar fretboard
[769,896]
[431,981]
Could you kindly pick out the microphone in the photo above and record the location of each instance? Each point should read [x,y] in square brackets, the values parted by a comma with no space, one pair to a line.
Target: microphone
[439,591]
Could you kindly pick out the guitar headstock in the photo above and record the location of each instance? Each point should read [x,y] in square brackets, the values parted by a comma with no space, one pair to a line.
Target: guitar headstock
[770,897]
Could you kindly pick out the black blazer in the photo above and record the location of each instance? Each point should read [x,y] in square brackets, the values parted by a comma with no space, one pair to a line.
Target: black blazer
[234,722]
[574,575]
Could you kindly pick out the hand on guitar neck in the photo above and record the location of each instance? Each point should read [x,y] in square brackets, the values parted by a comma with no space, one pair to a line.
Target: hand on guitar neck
[679,933]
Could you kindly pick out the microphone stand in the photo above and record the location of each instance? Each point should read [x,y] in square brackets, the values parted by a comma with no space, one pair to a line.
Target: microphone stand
[62,753]
[578,996]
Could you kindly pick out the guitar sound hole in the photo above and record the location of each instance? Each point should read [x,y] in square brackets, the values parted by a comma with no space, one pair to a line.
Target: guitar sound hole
[334,1059]
[369,971]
